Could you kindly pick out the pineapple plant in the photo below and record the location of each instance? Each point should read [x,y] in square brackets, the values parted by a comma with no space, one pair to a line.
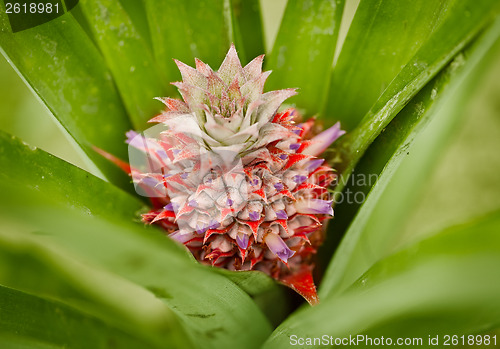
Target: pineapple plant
[236,181]
[227,194]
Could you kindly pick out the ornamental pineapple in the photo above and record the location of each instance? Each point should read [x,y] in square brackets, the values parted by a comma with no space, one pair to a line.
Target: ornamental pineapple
[234,180]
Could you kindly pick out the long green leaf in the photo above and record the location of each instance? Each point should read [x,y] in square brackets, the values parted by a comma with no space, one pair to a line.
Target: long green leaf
[303,52]
[29,321]
[137,13]
[215,312]
[129,58]
[35,265]
[248,24]
[463,22]
[383,157]
[442,285]
[471,154]
[187,29]
[443,99]
[382,38]
[70,185]
[61,64]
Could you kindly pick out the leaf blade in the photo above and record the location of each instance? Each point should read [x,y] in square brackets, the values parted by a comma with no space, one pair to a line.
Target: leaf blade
[62,181]
[194,20]
[47,271]
[304,50]
[450,38]
[419,291]
[248,22]
[129,59]
[214,311]
[38,323]
[382,38]
[453,84]
[61,64]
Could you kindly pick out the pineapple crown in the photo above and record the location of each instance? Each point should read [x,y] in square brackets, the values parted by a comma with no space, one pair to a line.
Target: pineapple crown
[226,108]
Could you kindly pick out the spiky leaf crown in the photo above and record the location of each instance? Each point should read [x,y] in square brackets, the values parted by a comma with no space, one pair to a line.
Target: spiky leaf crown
[229,105]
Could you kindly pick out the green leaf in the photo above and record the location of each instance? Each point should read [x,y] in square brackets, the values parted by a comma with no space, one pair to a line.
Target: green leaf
[444,99]
[35,265]
[36,169]
[302,55]
[382,38]
[187,29]
[215,312]
[253,282]
[471,154]
[266,292]
[137,13]
[248,24]
[29,321]
[61,64]
[441,285]
[463,22]
[128,57]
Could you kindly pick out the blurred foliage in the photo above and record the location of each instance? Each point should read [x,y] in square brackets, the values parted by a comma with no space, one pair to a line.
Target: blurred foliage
[465,183]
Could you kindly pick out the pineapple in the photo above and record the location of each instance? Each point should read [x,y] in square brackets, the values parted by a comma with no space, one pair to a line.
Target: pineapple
[234,180]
